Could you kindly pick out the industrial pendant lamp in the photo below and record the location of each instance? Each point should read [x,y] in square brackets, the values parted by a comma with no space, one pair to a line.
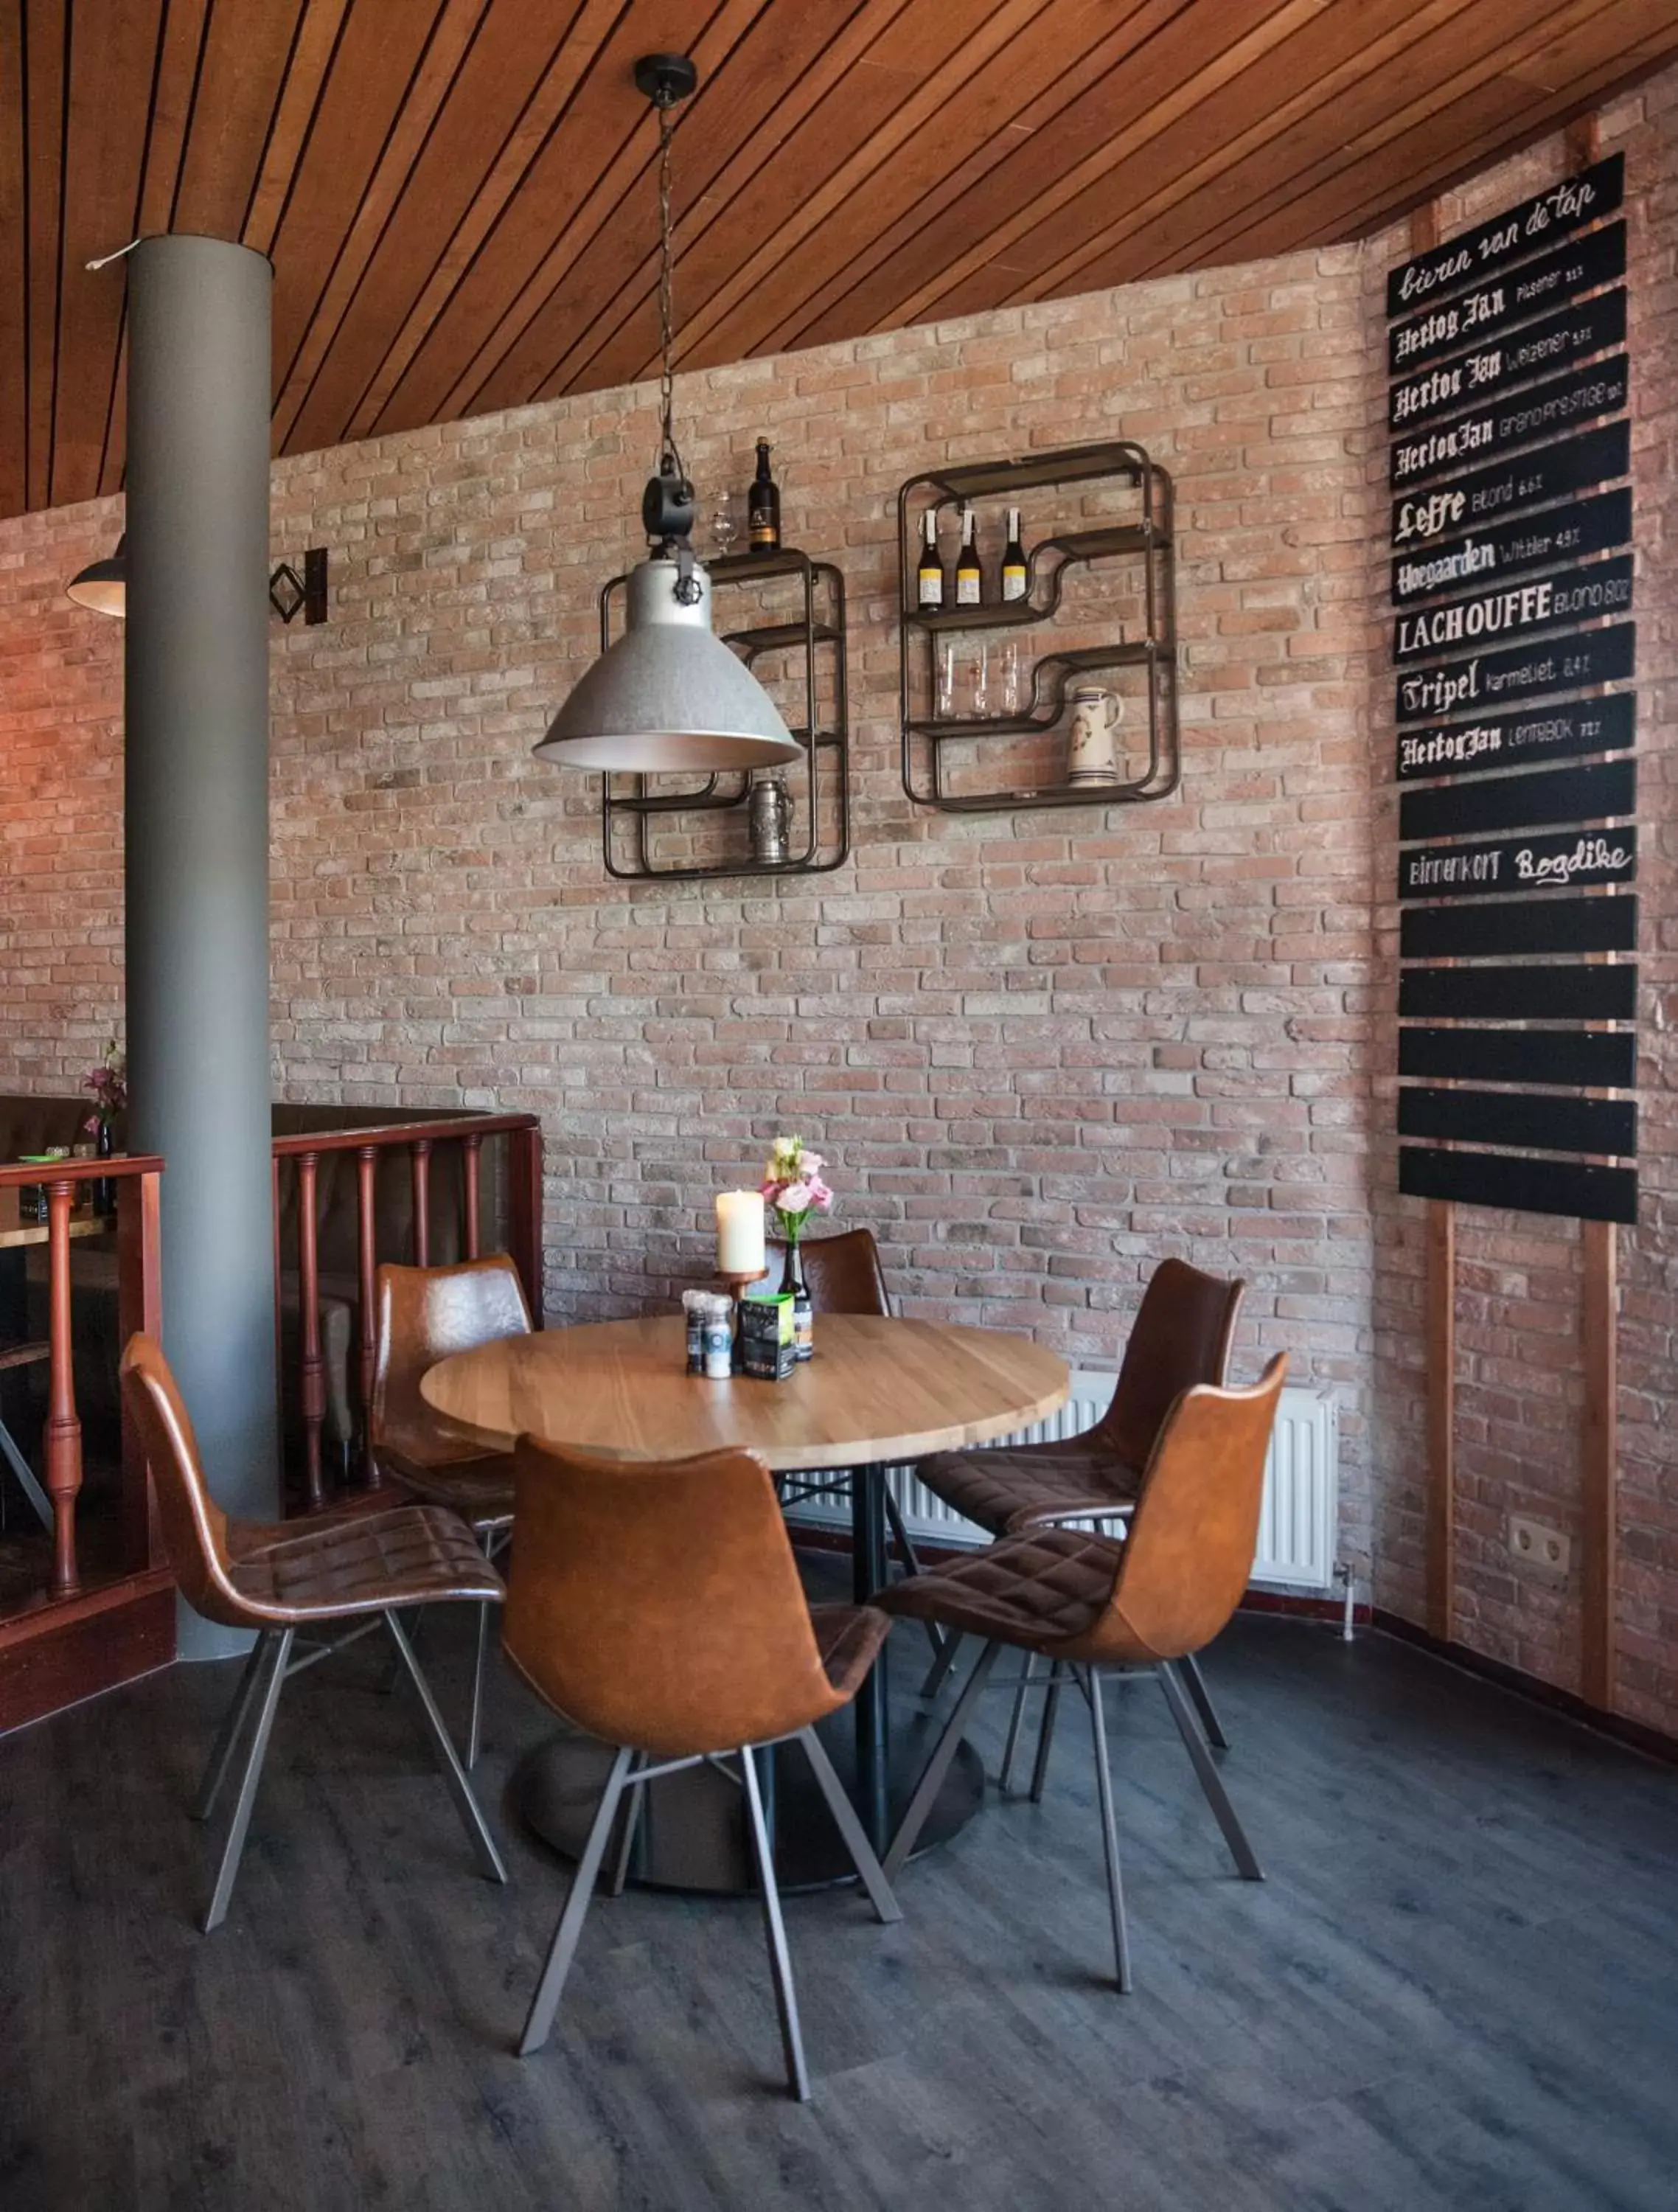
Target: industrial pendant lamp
[668,696]
[103,585]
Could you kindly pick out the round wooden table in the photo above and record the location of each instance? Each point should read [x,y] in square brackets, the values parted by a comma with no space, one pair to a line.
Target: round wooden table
[877,1394]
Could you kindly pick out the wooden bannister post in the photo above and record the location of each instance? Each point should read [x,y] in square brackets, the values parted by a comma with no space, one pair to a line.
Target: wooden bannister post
[419,1163]
[312,1373]
[524,1208]
[64,1429]
[470,1157]
[367,1262]
[139,1306]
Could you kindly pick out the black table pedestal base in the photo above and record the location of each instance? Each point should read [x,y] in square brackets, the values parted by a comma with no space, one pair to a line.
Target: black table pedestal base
[693,1831]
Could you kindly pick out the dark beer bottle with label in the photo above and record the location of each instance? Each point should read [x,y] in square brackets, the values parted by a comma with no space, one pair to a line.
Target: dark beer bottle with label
[763,506]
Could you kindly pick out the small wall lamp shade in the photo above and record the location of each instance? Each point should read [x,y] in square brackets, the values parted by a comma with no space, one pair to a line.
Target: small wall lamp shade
[668,696]
[103,585]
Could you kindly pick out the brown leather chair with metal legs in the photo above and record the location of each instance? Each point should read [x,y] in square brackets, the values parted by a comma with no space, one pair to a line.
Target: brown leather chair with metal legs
[1088,1604]
[283,1578]
[424,1313]
[843,1275]
[657,1606]
[1180,1338]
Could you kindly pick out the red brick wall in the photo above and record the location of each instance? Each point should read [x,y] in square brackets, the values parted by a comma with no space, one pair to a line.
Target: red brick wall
[1041,1050]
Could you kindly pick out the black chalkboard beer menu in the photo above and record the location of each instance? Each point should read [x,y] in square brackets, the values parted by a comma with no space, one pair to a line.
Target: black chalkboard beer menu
[1513,596]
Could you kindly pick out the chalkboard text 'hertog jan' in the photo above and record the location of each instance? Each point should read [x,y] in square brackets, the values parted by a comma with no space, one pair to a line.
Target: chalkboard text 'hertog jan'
[1523,416]
[1501,302]
[1593,326]
[1543,472]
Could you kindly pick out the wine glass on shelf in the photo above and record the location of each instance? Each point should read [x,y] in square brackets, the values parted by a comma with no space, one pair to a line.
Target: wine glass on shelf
[725,526]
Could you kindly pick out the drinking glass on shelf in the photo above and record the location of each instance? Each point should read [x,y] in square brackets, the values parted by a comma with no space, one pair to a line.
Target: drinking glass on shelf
[944,679]
[976,684]
[1008,692]
[725,526]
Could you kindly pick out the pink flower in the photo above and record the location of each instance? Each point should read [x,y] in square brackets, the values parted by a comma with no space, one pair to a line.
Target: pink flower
[795,1198]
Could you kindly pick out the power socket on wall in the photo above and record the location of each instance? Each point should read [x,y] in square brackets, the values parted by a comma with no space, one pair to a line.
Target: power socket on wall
[1536,1544]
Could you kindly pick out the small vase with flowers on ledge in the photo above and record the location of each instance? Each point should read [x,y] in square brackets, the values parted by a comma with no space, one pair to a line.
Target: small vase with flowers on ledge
[109,1084]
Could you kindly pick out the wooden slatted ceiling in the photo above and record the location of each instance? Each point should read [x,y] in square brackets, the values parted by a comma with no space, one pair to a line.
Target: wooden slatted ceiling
[458,195]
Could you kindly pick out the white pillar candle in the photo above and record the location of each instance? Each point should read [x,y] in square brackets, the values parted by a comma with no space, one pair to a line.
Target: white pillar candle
[739,1233]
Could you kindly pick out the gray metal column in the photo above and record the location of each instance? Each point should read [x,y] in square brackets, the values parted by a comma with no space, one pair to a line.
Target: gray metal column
[196,791]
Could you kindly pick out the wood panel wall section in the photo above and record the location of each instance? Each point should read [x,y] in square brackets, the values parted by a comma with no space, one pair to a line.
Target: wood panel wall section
[458,194]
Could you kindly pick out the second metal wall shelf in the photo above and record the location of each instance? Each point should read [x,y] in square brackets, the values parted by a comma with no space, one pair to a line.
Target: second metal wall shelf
[1147,541]
[819,784]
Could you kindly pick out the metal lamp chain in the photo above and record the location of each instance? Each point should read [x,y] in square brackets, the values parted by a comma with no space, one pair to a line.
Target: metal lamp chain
[666,298]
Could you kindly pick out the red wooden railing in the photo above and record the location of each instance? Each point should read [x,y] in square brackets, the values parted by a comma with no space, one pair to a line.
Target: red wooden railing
[68,1185]
[422,1140]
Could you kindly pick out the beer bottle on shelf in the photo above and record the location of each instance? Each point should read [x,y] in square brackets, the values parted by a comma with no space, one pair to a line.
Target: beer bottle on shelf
[762,507]
[929,576]
[1015,572]
[969,576]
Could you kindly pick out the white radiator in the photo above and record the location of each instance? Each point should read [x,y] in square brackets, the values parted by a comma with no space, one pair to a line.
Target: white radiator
[1297,1526]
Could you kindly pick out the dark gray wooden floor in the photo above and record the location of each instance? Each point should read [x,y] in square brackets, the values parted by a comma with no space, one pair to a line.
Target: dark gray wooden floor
[1459,1986]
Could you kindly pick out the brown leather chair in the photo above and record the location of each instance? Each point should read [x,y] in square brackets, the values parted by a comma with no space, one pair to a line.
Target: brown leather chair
[1088,1603]
[1181,1337]
[843,1275]
[278,1580]
[658,1606]
[424,1313]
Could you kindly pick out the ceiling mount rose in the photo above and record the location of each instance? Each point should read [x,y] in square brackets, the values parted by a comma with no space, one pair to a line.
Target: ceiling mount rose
[666,79]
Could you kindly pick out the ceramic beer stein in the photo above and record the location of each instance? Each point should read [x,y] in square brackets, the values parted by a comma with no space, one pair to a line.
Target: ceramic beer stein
[1091,753]
[770,816]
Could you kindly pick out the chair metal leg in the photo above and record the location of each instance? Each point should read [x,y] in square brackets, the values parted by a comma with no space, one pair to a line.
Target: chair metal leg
[1109,1833]
[227,1736]
[1051,1707]
[1016,1720]
[563,1949]
[1195,1682]
[275,1650]
[633,1806]
[900,1535]
[886,1907]
[786,1998]
[1211,1781]
[932,1779]
[482,1842]
[939,1671]
[906,1552]
[475,1718]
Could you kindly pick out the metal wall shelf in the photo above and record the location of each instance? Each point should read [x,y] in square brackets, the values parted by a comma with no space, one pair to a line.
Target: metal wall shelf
[819,784]
[1148,540]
